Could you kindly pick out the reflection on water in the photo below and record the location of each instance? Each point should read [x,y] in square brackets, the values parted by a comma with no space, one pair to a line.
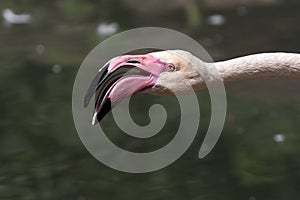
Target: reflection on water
[42,157]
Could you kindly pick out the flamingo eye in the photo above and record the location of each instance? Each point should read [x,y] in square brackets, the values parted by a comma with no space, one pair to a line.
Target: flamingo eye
[170,67]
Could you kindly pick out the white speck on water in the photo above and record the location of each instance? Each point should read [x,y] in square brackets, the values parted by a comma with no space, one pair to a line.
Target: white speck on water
[242,11]
[216,20]
[279,138]
[11,18]
[105,30]
[56,68]
[40,49]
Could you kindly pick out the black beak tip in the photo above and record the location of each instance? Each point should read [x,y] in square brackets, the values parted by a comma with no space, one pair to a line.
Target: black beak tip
[95,84]
[99,115]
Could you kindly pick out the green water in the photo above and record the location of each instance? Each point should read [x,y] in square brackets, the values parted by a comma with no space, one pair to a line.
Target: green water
[42,156]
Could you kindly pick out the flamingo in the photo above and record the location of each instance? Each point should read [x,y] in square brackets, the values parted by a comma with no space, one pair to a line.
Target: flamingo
[174,71]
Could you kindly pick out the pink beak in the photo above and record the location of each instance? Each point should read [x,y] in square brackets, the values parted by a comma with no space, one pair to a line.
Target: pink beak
[120,78]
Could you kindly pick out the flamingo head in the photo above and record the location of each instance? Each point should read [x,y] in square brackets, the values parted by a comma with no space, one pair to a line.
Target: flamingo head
[158,73]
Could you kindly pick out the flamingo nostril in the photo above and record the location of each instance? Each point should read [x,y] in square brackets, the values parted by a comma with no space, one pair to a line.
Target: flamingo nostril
[133,61]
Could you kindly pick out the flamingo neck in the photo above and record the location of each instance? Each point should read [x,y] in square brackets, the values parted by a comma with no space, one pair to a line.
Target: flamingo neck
[264,65]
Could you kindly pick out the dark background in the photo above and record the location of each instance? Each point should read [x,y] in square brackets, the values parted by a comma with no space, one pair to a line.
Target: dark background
[41,155]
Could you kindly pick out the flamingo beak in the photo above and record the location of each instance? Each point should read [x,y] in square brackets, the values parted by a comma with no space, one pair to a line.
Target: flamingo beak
[120,78]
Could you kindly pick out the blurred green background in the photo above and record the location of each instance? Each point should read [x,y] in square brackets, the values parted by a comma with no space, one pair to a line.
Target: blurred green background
[257,156]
